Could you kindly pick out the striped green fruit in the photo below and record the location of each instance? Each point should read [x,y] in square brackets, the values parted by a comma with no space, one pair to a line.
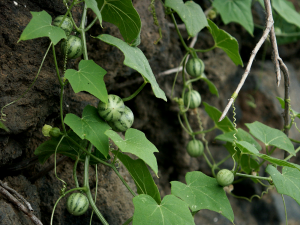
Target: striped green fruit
[67,25]
[195,148]
[195,99]
[77,204]
[125,121]
[112,110]
[72,47]
[225,177]
[195,67]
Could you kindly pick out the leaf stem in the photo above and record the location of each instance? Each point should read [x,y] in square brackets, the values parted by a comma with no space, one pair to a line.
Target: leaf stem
[91,24]
[205,50]
[204,131]
[135,93]
[179,34]
[223,160]
[104,163]
[56,66]
[87,186]
[82,32]
[290,156]
[254,177]
[293,140]
[74,172]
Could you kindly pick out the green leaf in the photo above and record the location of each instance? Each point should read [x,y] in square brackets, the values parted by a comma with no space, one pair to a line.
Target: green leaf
[248,162]
[40,26]
[282,103]
[287,183]
[171,211]
[225,125]
[190,13]
[67,148]
[141,176]
[238,11]
[135,59]
[241,135]
[89,77]
[123,15]
[247,148]
[90,127]
[271,136]
[212,88]
[287,11]
[137,144]
[226,42]
[2,126]
[203,192]
[92,4]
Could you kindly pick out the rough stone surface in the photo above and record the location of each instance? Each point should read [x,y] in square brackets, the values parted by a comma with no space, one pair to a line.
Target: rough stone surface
[19,63]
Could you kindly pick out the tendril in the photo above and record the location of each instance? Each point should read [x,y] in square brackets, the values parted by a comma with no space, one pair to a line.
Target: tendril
[62,191]
[253,196]
[156,23]
[292,114]
[235,138]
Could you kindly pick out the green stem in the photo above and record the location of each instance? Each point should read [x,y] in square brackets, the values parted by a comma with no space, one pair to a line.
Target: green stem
[135,93]
[223,160]
[193,80]
[102,162]
[74,172]
[128,221]
[74,189]
[254,177]
[70,14]
[61,109]
[86,184]
[179,119]
[91,24]
[82,32]
[290,156]
[207,161]
[187,123]
[205,50]
[286,220]
[96,171]
[56,66]
[179,34]
[204,131]
[293,140]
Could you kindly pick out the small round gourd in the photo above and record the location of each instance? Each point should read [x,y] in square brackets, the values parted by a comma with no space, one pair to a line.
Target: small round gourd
[195,148]
[124,122]
[195,67]
[67,25]
[112,110]
[77,204]
[72,47]
[195,99]
[225,177]
[55,132]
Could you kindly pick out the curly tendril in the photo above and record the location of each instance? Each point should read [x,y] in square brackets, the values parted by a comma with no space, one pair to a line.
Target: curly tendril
[234,135]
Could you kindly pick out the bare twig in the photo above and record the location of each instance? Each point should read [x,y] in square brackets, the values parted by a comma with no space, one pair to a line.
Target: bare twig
[4,185]
[273,43]
[12,199]
[285,71]
[269,25]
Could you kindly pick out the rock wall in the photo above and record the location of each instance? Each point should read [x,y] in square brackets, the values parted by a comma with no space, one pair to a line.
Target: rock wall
[19,63]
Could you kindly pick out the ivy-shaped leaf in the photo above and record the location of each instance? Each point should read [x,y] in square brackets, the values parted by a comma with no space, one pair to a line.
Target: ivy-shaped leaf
[172,210]
[137,144]
[135,59]
[92,4]
[247,148]
[190,13]
[282,103]
[225,125]
[141,176]
[203,192]
[2,126]
[241,135]
[123,15]
[66,147]
[40,26]
[287,183]
[90,127]
[238,11]
[212,88]
[287,11]
[89,77]
[226,42]
[270,136]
